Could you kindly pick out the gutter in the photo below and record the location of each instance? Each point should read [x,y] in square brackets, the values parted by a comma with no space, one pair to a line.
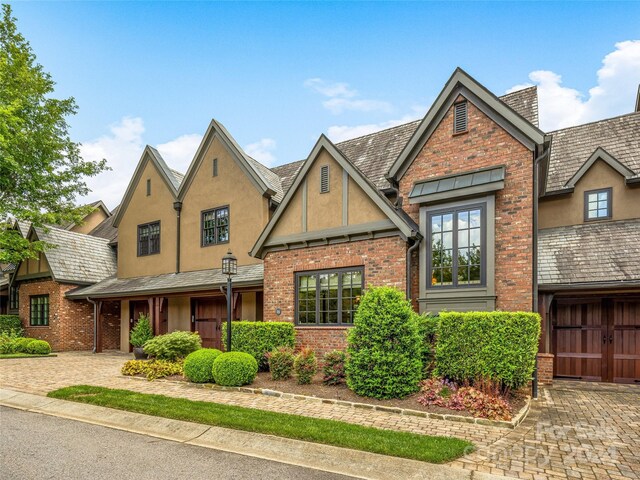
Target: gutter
[177,206]
[536,193]
[95,324]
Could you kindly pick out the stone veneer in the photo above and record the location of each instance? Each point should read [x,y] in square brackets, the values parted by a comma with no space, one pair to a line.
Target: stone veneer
[384,264]
[485,145]
[70,321]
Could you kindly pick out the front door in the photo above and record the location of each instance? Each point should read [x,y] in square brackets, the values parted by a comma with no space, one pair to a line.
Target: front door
[208,315]
[597,339]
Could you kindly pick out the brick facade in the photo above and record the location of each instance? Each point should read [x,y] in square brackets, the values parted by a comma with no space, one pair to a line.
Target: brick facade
[485,145]
[545,368]
[384,261]
[70,321]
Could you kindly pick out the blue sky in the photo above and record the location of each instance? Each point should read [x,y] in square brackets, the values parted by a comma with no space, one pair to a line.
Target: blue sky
[279,74]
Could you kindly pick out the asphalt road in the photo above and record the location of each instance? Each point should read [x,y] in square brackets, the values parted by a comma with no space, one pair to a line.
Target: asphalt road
[36,446]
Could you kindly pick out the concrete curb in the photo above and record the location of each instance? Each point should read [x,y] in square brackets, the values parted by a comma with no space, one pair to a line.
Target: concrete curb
[294,452]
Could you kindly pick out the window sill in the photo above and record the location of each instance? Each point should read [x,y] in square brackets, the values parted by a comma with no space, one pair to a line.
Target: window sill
[39,326]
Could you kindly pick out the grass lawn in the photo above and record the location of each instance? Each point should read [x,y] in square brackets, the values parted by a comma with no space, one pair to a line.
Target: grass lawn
[23,355]
[330,432]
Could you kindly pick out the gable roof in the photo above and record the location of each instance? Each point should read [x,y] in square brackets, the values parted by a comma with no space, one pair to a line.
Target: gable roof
[97,204]
[524,102]
[76,257]
[590,253]
[599,154]
[171,179]
[266,181]
[401,221]
[105,229]
[461,83]
[573,147]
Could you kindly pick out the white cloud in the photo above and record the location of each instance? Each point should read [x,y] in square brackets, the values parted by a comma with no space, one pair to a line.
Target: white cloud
[341,97]
[339,133]
[121,148]
[262,150]
[178,153]
[614,94]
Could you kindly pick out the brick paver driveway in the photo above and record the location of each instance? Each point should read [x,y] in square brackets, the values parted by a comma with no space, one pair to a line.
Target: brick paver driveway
[575,431]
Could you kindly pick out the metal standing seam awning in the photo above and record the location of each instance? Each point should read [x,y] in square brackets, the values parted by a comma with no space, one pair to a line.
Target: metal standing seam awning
[472,183]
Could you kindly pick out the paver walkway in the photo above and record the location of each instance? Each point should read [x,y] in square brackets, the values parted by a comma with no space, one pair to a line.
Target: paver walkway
[576,430]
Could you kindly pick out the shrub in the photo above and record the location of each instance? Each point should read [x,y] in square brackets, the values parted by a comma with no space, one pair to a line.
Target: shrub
[142,332]
[152,369]
[198,365]
[427,325]
[234,369]
[259,338]
[333,369]
[281,363]
[384,346]
[498,346]
[8,342]
[39,347]
[173,345]
[21,344]
[10,323]
[305,366]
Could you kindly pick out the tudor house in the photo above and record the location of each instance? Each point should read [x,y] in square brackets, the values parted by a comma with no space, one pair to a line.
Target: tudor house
[472,207]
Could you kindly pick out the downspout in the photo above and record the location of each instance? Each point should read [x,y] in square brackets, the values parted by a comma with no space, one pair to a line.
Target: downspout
[178,208]
[409,252]
[95,324]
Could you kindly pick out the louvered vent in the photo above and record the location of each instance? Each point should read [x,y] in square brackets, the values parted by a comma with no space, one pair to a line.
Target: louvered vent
[460,117]
[324,179]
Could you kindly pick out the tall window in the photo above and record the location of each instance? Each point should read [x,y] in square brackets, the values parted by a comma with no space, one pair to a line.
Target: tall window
[39,311]
[14,302]
[597,204]
[215,226]
[148,239]
[456,257]
[328,297]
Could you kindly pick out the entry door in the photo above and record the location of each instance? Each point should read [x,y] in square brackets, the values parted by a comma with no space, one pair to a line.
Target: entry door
[209,314]
[136,308]
[625,341]
[580,338]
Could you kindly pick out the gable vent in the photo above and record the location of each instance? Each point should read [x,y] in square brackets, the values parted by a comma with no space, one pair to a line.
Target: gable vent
[460,117]
[324,179]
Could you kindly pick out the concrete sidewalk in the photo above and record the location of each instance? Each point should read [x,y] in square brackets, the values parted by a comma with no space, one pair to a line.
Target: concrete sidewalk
[294,452]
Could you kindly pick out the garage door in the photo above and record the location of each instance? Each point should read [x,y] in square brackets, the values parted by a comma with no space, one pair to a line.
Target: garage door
[597,339]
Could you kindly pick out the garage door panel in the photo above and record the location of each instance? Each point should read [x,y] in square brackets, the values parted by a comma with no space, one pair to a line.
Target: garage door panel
[626,341]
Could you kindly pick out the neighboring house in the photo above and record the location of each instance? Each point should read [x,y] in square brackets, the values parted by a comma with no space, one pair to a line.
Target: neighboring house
[97,216]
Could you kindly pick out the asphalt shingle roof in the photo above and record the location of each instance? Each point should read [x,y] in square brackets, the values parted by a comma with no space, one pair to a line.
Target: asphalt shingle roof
[170,282]
[571,147]
[77,258]
[590,252]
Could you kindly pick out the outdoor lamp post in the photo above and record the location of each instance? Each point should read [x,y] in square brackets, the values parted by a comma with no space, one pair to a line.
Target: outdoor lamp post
[229,268]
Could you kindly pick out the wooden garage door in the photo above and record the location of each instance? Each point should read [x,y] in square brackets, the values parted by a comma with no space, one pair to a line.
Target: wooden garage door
[597,339]
[209,313]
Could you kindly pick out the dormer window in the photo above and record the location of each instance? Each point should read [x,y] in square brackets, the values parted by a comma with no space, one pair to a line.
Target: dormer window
[597,204]
[460,121]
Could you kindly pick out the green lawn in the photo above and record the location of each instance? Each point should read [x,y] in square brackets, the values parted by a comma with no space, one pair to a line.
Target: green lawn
[330,432]
[23,355]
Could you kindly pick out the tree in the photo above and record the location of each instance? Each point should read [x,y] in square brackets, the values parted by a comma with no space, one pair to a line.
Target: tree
[41,170]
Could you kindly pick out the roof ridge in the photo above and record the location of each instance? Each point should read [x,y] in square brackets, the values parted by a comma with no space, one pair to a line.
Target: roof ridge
[69,232]
[518,91]
[379,131]
[631,221]
[602,120]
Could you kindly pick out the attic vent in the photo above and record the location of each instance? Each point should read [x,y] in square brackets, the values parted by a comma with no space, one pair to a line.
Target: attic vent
[324,179]
[215,167]
[148,187]
[460,117]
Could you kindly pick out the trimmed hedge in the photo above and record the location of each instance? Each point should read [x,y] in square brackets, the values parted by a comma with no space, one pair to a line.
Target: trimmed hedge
[500,346]
[384,346]
[172,346]
[39,347]
[198,365]
[427,325]
[259,338]
[234,369]
[10,323]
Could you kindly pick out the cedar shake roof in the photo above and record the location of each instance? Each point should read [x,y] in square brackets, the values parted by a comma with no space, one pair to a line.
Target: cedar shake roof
[571,147]
[76,257]
[590,253]
[170,282]
[373,154]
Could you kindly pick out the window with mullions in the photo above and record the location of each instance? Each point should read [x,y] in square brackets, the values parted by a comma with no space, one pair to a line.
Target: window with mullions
[597,204]
[215,226]
[14,298]
[456,257]
[328,297]
[39,311]
[148,239]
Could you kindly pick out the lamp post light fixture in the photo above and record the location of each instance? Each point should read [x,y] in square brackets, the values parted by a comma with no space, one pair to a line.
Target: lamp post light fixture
[229,268]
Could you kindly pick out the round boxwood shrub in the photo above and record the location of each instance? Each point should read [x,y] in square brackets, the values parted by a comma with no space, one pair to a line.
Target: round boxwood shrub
[384,346]
[39,347]
[234,369]
[20,344]
[199,364]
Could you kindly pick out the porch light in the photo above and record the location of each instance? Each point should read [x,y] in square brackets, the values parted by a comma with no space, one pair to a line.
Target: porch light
[229,264]
[229,268]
